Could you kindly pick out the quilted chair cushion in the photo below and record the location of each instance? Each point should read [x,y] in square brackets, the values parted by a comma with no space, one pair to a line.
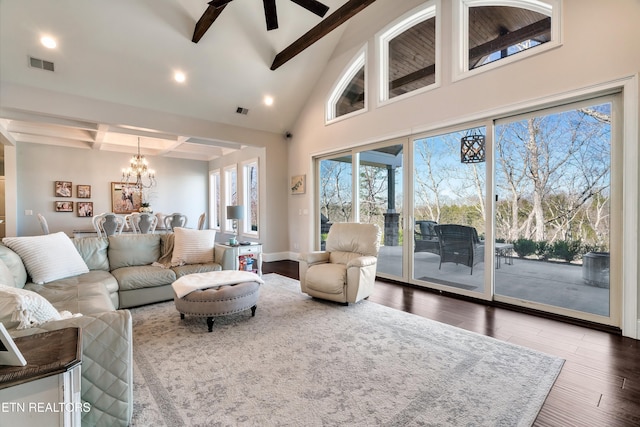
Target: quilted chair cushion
[107,365]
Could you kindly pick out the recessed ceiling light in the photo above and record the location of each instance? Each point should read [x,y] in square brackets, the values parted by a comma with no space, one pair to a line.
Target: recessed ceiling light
[180,77]
[268,100]
[48,42]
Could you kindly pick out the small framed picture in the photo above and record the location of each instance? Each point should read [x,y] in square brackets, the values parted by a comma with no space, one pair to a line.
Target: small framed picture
[85,209]
[64,206]
[84,191]
[9,353]
[298,185]
[63,189]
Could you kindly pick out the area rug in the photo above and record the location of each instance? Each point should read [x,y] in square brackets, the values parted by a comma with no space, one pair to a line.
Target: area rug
[306,362]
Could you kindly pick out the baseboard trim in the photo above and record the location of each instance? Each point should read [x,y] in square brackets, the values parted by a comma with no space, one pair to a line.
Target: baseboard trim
[278,256]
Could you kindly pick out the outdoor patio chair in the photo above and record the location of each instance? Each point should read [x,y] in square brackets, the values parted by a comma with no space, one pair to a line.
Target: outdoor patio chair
[425,237]
[459,244]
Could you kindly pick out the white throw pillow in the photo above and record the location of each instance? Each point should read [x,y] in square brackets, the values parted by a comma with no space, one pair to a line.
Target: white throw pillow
[49,257]
[24,308]
[192,246]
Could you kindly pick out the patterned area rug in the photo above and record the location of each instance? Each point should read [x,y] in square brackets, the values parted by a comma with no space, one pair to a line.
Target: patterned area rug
[306,362]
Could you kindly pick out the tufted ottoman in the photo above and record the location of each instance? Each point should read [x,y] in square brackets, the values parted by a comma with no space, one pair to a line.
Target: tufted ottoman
[216,293]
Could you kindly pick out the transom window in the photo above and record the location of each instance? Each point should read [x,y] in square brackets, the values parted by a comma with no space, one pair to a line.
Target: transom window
[348,95]
[495,32]
[408,52]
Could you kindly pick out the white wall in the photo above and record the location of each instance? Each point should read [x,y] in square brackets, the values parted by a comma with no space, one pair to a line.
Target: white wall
[601,43]
[182,185]
[273,229]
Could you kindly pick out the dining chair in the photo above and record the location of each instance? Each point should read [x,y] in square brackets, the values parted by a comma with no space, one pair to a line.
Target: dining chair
[43,224]
[175,220]
[110,224]
[145,223]
[130,222]
[201,221]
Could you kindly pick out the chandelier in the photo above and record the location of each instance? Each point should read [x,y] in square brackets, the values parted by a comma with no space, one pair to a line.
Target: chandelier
[138,175]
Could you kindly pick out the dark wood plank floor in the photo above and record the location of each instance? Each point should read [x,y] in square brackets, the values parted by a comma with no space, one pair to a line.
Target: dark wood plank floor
[599,384]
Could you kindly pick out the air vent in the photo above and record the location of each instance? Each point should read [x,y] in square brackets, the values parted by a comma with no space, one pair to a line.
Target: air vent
[41,64]
[241,110]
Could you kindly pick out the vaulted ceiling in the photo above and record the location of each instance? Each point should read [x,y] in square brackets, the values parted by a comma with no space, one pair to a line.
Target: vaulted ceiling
[125,52]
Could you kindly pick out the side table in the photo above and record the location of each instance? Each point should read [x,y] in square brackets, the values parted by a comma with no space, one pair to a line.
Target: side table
[235,257]
[45,392]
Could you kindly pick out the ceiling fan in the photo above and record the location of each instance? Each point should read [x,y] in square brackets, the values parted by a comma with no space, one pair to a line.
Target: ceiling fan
[270,13]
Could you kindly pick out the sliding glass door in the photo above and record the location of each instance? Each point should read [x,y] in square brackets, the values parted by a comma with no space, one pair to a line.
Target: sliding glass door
[519,210]
[553,207]
[449,210]
[380,201]
[335,188]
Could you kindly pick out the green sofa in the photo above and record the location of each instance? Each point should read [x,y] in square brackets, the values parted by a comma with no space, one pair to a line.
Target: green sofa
[124,271]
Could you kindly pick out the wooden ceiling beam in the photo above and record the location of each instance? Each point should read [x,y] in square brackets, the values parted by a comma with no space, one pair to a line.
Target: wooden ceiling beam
[502,42]
[412,77]
[206,20]
[333,21]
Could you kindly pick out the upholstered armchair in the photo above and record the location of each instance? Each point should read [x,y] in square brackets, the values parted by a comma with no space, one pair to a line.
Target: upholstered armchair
[346,271]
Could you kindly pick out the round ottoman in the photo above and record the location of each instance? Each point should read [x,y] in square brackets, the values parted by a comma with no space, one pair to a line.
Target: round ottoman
[219,301]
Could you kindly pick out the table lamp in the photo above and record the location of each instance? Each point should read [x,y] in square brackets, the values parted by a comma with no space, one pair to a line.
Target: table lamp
[234,213]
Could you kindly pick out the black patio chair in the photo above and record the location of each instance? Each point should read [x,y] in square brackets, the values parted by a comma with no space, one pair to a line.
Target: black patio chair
[459,244]
[425,237]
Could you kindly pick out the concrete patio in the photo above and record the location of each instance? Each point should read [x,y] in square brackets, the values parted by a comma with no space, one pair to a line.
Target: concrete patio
[552,283]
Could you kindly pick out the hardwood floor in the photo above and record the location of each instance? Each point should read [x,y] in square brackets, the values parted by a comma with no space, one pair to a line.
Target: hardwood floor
[599,384]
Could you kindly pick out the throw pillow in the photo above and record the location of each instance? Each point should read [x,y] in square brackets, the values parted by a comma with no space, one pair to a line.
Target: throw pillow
[6,277]
[49,257]
[24,308]
[192,246]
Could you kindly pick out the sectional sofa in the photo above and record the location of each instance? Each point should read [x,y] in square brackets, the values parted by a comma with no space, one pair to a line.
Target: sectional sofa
[52,282]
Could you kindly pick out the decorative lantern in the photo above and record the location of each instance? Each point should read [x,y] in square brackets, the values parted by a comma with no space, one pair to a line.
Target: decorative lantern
[472,147]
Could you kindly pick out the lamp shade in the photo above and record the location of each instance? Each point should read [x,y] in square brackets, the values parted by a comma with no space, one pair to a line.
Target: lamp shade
[235,212]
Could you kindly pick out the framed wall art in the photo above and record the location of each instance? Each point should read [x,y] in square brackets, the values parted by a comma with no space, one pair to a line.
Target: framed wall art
[64,206]
[83,191]
[124,199]
[298,184]
[85,209]
[63,189]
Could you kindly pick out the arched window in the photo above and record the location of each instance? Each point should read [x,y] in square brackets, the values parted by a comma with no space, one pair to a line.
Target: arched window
[496,32]
[408,51]
[348,95]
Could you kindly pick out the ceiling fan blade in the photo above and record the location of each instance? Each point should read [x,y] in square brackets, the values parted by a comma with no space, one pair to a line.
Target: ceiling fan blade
[270,14]
[313,6]
[219,3]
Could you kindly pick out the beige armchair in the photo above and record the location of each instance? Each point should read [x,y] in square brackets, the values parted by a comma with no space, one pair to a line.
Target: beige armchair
[346,271]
